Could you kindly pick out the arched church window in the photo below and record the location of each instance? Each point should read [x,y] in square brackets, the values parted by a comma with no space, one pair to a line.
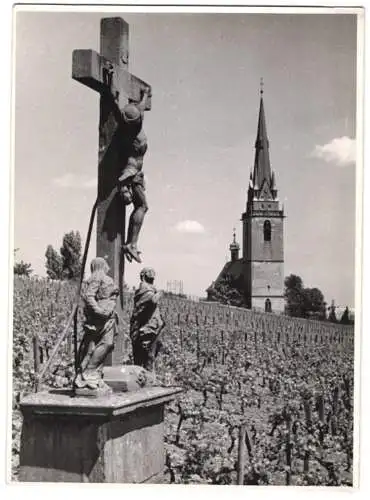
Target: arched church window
[268,308]
[267,230]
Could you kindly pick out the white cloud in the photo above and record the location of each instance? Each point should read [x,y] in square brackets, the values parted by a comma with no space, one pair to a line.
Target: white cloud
[189,226]
[70,180]
[341,151]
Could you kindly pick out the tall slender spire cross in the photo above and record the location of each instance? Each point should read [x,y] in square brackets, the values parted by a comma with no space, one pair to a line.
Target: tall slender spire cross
[262,167]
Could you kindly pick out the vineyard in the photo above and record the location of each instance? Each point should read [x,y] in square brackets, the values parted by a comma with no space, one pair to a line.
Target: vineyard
[268,395]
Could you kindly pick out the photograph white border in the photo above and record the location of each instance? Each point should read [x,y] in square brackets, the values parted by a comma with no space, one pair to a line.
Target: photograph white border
[362,206]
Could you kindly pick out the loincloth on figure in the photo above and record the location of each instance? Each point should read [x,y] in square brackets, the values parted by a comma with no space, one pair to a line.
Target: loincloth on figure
[132,176]
[131,181]
[132,173]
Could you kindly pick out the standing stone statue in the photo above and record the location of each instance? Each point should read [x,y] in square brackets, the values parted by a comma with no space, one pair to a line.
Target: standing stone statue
[100,329]
[132,148]
[146,321]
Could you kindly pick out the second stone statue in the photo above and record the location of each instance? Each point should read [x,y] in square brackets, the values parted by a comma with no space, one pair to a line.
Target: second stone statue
[146,321]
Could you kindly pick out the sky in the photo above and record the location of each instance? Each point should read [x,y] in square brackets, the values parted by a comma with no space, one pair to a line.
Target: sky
[205,71]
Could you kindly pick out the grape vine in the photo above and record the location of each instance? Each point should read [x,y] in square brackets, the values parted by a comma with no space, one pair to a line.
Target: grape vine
[267,396]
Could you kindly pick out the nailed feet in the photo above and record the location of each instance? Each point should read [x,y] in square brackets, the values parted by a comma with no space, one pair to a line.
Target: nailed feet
[131,252]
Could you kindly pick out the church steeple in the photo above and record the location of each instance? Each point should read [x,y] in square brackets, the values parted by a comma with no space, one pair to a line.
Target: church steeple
[262,179]
[259,273]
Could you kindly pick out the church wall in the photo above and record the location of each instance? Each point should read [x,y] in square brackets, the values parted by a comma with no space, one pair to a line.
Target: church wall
[248,283]
[266,274]
[277,304]
[246,237]
[267,250]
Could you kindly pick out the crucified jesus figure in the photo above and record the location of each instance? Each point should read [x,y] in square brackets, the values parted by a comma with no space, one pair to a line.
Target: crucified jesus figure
[132,149]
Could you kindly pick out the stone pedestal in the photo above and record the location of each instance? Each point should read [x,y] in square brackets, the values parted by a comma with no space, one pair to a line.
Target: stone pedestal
[112,439]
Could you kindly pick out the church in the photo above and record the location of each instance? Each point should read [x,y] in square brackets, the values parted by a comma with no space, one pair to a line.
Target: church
[259,272]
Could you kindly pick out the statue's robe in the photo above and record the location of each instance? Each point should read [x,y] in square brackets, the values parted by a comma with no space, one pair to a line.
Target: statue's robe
[100,330]
[146,325]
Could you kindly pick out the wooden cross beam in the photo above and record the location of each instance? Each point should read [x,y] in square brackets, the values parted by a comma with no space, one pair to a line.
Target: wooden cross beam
[92,70]
[100,72]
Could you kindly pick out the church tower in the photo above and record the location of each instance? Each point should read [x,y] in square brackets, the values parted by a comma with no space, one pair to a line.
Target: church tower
[234,248]
[263,230]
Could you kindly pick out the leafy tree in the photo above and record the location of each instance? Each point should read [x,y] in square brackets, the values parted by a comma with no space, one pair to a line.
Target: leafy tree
[345,319]
[22,269]
[303,302]
[314,303]
[228,290]
[294,296]
[67,264]
[54,264]
[71,254]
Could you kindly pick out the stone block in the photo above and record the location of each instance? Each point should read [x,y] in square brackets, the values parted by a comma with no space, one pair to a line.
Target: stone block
[117,438]
[128,378]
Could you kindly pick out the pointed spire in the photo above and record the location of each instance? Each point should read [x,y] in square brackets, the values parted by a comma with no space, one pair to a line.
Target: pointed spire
[251,181]
[234,243]
[273,180]
[262,167]
[234,248]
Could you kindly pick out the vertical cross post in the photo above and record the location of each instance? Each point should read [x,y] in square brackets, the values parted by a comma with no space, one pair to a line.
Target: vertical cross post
[111,211]
[101,72]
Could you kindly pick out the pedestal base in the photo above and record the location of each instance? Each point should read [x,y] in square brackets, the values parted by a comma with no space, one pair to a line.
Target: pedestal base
[117,438]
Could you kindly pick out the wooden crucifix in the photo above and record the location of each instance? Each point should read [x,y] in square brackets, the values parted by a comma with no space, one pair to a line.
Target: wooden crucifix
[122,145]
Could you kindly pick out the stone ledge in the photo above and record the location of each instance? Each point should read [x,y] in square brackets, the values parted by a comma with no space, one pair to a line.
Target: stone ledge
[63,402]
